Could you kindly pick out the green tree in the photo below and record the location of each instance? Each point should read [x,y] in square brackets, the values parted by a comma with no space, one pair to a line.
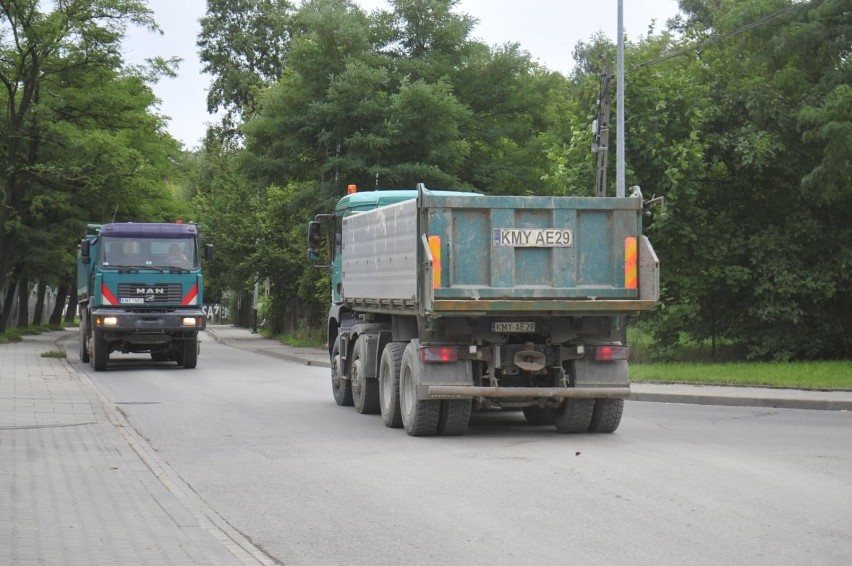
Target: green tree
[758,195]
[387,99]
[82,142]
[243,44]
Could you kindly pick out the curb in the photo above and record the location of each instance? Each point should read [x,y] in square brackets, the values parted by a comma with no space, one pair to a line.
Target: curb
[273,353]
[745,401]
[739,398]
[231,539]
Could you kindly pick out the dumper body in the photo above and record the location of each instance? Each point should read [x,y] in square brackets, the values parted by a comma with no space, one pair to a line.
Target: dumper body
[446,302]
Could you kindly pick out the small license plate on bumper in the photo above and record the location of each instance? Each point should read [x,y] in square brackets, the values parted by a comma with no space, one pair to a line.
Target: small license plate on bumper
[513,327]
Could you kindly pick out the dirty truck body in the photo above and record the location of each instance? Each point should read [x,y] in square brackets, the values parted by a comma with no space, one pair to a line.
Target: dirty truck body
[445,302]
[140,289]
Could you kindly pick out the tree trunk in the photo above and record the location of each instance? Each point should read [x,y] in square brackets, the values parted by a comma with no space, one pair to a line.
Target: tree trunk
[12,285]
[7,304]
[23,302]
[38,311]
[72,303]
[56,315]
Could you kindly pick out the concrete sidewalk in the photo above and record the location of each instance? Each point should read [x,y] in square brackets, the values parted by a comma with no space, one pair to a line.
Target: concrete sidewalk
[664,393]
[80,487]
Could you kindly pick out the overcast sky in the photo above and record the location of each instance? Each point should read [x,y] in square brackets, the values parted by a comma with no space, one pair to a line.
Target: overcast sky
[548,29]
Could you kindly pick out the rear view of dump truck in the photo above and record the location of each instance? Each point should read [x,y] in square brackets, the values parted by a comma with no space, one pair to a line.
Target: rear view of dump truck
[443,303]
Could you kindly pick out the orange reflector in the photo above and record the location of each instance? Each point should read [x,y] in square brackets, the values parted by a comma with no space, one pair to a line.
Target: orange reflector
[630,255]
[435,248]
[351,189]
[440,354]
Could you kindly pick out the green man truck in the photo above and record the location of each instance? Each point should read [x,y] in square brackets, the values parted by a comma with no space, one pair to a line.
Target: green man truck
[140,289]
[444,302]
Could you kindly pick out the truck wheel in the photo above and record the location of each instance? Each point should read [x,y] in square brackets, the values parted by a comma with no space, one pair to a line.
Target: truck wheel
[342,388]
[607,415]
[389,384]
[575,415]
[420,418]
[365,391]
[537,416]
[188,354]
[84,333]
[455,416]
[100,352]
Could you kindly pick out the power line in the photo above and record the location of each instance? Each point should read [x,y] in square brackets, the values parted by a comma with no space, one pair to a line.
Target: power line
[719,38]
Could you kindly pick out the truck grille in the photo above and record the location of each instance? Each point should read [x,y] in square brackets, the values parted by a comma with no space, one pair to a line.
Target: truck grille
[168,293]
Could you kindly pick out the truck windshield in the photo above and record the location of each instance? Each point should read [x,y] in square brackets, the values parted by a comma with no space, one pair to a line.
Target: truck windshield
[174,253]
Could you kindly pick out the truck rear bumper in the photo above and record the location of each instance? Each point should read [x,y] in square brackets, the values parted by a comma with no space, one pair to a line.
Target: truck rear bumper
[483,307]
[470,391]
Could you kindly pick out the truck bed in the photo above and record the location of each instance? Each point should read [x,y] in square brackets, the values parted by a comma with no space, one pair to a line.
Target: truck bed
[500,254]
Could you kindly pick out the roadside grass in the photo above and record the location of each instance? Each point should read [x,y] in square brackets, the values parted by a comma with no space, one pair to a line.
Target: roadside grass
[688,361]
[16,334]
[58,354]
[301,338]
[793,375]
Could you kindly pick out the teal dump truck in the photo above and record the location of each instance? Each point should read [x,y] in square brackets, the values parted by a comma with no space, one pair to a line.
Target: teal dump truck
[140,289]
[445,302]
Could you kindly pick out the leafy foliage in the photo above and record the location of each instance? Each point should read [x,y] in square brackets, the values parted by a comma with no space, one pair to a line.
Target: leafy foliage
[81,142]
[739,115]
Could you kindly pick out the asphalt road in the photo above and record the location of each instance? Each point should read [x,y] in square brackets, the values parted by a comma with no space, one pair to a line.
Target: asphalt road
[262,442]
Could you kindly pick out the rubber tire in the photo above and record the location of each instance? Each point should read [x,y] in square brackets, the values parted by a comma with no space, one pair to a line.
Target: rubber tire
[575,415]
[607,415]
[365,390]
[455,417]
[389,384]
[84,351]
[100,352]
[419,418]
[188,355]
[340,388]
[539,416]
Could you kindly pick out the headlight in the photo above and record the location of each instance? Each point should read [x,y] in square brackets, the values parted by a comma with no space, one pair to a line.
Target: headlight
[188,321]
[110,320]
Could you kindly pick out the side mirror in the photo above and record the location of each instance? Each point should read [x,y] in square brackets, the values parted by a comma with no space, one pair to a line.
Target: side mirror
[314,240]
[85,250]
[208,252]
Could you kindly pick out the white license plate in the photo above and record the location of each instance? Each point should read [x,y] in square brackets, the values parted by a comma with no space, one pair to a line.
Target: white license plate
[131,300]
[532,237]
[514,327]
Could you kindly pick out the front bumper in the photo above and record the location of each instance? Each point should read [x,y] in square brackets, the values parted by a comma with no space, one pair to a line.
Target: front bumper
[148,327]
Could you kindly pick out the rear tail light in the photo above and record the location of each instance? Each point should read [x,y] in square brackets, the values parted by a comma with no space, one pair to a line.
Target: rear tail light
[610,353]
[439,354]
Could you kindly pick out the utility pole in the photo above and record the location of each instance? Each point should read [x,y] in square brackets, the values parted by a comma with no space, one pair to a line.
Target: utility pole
[619,148]
[600,145]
